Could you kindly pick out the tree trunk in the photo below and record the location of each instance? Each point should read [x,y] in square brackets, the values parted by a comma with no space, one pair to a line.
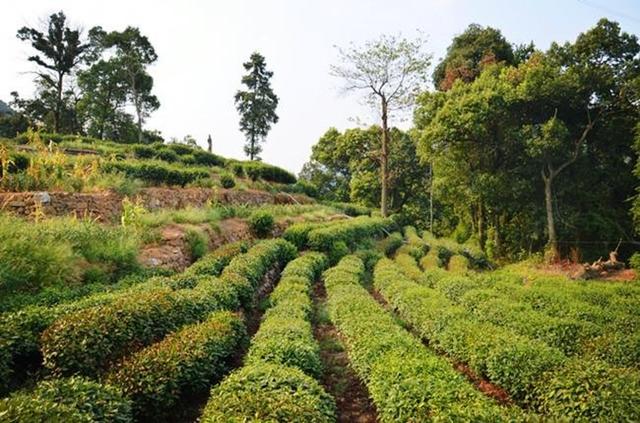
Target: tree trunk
[431,198]
[384,158]
[58,112]
[551,224]
[482,236]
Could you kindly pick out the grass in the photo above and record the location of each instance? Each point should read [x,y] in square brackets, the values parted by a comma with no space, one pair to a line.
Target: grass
[61,253]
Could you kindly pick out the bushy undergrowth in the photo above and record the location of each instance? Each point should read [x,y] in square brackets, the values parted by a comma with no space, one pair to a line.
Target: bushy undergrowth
[62,251]
[261,223]
[503,342]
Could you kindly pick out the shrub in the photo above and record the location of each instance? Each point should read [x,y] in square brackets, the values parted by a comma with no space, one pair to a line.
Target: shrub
[261,223]
[351,232]
[143,152]
[213,263]
[511,361]
[269,392]
[205,158]
[187,361]
[458,263]
[87,341]
[180,149]
[285,335]
[73,399]
[258,170]
[405,381]
[390,244]
[589,391]
[227,181]
[168,155]
[156,172]
[197,242]
[237,169]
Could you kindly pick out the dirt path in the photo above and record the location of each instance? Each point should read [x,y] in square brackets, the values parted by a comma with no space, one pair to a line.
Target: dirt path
[352,398]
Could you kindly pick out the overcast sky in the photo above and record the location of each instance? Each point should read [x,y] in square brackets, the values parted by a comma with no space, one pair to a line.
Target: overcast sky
[202,44]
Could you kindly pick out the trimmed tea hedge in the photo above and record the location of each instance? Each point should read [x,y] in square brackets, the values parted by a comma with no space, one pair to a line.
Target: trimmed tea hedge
[214,262]
[534,373]
[267,392]
[67,400]
[187,361]
[272,385]
[87,341]
[511,361]
[157,172]
[285,335]
[405,380]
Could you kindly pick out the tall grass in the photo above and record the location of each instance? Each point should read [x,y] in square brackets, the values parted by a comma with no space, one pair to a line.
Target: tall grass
[62,252]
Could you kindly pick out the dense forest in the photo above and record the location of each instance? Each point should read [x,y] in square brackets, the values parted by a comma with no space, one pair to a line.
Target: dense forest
[516,147]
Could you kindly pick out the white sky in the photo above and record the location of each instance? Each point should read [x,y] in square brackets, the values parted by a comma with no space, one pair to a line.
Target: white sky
[202,44]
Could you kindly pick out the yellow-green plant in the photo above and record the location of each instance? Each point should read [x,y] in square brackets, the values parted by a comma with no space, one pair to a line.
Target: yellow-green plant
[132,212]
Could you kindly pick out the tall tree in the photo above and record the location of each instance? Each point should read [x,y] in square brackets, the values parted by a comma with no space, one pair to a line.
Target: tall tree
[104,88]
[133,53]
[391,71]
[256,105]
[60,50]
[469,52]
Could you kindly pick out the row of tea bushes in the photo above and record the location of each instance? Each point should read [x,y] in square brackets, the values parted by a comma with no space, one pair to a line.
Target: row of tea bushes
[405,380]
[20,331]
[277,382]
[486,306]
[535,374]
[87,341]
[72,399]
[185,362]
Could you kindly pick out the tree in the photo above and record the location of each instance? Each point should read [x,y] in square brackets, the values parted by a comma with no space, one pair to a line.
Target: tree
[209,144]
[469,52]
[565,118]
[132,54]
[104,88]
[392,71]
[346,167]
[256,105]
[60,51]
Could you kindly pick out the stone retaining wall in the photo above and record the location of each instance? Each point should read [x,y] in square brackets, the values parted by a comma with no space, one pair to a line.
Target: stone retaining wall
[107,206]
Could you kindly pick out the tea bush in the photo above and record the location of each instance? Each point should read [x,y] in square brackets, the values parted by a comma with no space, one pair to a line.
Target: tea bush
[269,393]
[261,223]
[67,400]
[185,362]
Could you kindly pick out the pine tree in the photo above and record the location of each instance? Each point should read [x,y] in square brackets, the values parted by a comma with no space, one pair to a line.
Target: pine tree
[257,105]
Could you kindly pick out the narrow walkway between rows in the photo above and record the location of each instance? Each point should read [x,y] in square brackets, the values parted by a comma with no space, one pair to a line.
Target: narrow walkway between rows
[351,396]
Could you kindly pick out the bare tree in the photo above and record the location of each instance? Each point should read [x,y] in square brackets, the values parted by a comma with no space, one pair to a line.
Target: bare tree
[391,71]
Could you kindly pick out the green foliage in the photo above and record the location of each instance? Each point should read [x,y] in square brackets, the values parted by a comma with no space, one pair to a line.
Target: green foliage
[157,172]
[227,181]
[198,243]
[261,223]
[75,399]
[285,336]
[469,53]
[257,105]
[60,251]
[214,262]
[269,392]
[512,362]
[187,361]
[589,391]
[266,172]
[108,331]
[394,365]
[390,244]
